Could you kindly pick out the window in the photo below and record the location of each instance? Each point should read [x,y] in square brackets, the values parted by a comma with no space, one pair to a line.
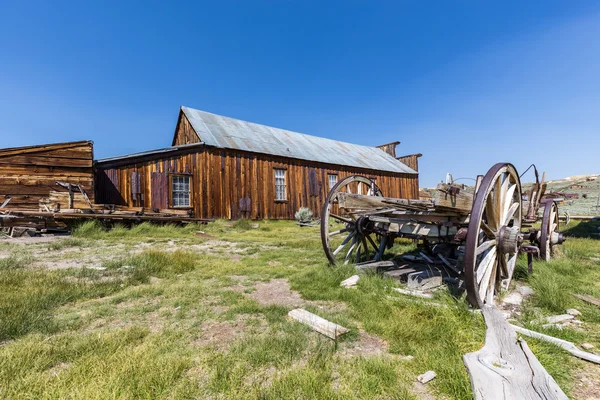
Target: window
[180,190]
[280,192]
[332,180]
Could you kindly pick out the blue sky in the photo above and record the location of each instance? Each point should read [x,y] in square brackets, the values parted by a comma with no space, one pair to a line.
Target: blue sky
[466,83]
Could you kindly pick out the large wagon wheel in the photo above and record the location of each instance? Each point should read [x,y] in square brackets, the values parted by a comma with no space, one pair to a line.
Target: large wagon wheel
[549,226]
[493,234]
[343,235]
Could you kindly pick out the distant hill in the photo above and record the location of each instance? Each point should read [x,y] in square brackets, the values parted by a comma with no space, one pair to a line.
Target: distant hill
[580,193]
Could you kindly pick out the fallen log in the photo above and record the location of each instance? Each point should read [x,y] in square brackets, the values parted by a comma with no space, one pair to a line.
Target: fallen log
[505,368]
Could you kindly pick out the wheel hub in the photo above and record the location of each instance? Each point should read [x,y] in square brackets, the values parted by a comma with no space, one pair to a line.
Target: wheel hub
[508,240]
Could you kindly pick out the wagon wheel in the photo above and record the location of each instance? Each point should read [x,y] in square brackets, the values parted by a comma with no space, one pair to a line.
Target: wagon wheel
[343,235]
[549,226]
[493,236]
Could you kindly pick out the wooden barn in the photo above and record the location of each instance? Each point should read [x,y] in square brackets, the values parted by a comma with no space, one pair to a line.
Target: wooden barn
[220,167]
[29,174]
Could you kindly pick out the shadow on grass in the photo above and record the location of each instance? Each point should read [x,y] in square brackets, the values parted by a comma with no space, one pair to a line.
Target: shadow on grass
[584,229]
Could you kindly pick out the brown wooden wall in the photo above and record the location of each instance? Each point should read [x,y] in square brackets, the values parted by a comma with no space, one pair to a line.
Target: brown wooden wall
[224,180]
[28,174]
[411,161]
[184,133]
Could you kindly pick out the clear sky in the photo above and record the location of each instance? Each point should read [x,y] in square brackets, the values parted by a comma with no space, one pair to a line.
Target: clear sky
[466,83]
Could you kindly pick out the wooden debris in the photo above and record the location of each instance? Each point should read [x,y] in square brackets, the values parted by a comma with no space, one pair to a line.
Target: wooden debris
[554,319]
[321,325]
[505,368]
[374,266]
[415,293]
[424,280]
[589,299]
[574,312]
[568,346]
[426,377]
[350,282]
[399,274]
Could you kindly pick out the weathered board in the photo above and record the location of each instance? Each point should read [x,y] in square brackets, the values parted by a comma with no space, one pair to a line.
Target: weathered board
[28,174]
[505,368]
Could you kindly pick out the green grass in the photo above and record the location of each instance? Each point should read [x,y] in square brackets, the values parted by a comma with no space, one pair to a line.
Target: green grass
[173,319]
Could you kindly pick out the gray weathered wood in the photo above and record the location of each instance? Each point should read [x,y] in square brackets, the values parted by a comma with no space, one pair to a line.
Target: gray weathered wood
[415,293]
[317,323]
[588,299]
[444,198]
[505,368]
[568,346]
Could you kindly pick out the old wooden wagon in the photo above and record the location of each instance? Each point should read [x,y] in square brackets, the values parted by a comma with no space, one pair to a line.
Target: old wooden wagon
[472,236]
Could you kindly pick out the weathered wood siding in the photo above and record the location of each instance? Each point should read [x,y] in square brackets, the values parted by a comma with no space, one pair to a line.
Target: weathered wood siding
[28,174]
[184,133]
[411,161]
[235,184]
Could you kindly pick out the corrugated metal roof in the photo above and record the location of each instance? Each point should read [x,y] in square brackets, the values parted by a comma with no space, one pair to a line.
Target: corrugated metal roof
[219,131]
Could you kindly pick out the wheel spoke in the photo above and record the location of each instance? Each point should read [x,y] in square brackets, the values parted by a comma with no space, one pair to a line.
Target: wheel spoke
[372,243]
[485,281]
[340,231]
[347,258]
[483,247]
[510,266]
[503,199]
[498,201]
[484,265]
[510,213]
[492,285]
[490,213]
[344,243]
[487,230]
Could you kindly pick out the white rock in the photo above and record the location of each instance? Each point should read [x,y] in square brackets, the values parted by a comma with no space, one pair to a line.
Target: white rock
[352,281]
[426,377]
[171,243]
[514,298]
[573,312]
[408,358]
[525,290]
[587,346]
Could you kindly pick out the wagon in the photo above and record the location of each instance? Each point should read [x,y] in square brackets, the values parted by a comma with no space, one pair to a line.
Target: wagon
[473,235]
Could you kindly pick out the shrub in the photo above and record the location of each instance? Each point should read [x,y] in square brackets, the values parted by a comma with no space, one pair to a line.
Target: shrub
[303,215]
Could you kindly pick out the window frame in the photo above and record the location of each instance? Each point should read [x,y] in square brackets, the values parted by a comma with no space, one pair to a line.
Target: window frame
[337,179]
[285,191]
[191,191]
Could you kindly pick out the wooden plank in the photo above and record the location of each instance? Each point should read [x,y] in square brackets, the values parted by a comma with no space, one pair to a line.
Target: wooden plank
[447,198]
[321,325]
[568,346]
[589,299]
[505,368]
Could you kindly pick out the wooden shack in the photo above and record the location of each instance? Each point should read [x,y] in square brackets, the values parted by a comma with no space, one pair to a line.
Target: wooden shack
[28,174]
[221,167]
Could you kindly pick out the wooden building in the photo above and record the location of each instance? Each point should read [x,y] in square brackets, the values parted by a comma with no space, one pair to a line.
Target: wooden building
[220,167]
[28,174]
